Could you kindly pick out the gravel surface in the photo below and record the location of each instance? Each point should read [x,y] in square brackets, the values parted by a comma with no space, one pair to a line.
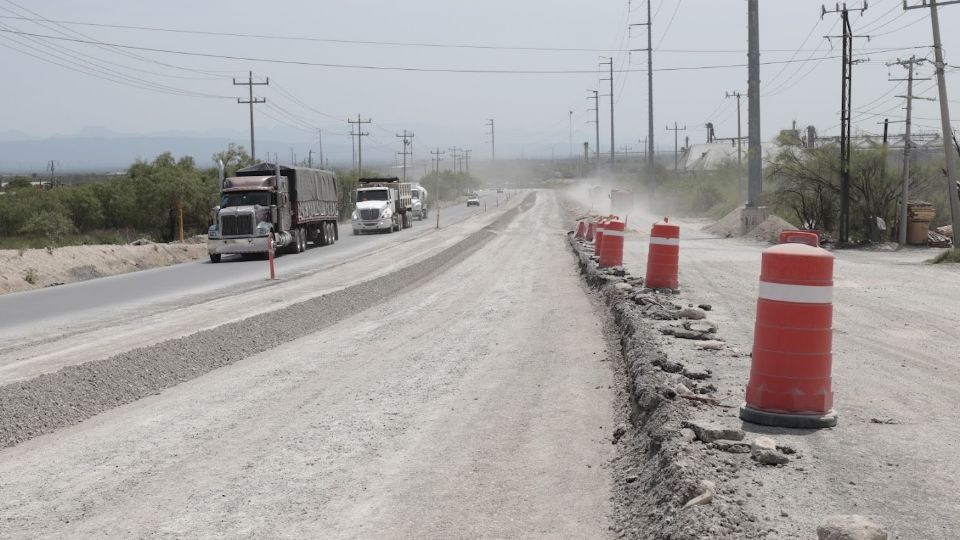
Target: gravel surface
[51,401]
[474,404]
[891,455]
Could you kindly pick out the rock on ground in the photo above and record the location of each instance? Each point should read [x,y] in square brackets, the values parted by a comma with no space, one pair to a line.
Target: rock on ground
[850,527]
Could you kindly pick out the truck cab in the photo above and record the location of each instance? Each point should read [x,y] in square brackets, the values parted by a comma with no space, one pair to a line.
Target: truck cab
[382,204]
[418,195]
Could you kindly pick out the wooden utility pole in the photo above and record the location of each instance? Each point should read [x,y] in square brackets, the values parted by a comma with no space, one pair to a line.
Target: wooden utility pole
[251,101]
[676,144]
[596,123]
[948,153]
[407,150]
[846,99]
[360,134]
[907,141]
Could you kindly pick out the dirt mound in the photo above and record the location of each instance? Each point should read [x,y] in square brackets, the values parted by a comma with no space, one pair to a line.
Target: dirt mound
[728,226]
[770,229]
[22,270]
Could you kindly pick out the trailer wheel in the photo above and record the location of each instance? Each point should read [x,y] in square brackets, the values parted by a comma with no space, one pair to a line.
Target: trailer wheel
[407,220]
[331,234]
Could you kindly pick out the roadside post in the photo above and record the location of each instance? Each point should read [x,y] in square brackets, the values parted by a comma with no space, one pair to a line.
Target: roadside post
[790,376]
[270,245]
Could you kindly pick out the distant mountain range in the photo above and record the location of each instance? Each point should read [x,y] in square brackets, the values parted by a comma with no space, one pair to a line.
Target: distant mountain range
[95,149]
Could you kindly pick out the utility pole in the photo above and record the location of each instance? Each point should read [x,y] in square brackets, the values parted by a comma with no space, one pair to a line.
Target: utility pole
[360,134]
[570,115]
[437,158]
[251,101]
[676,144]
[320,136]
[596,122]
[736,94]
[846,99]
[651,163]
[407,150]
[951,164]
[493,141]
[907,141]
[753,213]
[466,161]
[454,154]
[613,148]
[52,167]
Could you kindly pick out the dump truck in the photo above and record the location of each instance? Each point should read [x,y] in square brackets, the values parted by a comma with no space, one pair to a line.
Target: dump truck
[382,204]
[294,205]
[420,203]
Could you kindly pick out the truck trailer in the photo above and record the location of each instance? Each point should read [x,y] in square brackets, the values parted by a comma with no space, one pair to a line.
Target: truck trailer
[295,205]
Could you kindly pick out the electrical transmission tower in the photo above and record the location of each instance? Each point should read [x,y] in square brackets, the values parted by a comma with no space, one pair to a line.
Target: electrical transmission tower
[360,134]
[251,101]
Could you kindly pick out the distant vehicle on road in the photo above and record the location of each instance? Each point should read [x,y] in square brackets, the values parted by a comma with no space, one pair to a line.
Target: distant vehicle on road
[294,204]
[382,204]
[473,200]
[499,190]
[419,195]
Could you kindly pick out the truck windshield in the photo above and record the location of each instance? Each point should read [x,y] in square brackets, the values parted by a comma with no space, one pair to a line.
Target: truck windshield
[245,198]
[415,194]
[372,195]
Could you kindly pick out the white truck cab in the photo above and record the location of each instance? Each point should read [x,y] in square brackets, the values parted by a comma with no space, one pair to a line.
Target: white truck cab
[382,204]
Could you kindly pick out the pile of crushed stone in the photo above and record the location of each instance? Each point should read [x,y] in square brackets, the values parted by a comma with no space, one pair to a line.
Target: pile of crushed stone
[770,229]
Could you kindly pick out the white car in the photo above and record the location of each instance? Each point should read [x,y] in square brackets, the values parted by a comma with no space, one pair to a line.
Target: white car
[473,200]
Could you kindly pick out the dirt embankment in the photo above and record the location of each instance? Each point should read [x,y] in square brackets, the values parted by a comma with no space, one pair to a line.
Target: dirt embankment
[23,270]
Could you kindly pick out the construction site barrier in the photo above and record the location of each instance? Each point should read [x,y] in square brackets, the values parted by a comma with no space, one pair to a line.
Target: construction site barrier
[612,252]
[581,230]
[663,259]
[270,257]
[598,236]
[591,231]
[790,376]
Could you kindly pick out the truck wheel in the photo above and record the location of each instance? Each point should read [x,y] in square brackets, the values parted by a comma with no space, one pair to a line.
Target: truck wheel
[215,257]
[303,240]
[407,220]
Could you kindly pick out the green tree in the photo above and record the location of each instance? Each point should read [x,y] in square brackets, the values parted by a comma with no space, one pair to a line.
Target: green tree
[50,224]
[82,205]
[235,157]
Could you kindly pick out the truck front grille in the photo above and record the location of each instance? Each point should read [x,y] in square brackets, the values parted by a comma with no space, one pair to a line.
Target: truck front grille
[239,225]
[369,214]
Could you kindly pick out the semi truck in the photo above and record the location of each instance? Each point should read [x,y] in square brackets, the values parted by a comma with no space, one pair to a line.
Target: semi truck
[420,204]
[294,205]
[382,204]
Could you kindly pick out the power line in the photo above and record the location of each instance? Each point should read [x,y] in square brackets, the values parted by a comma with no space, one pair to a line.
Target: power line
[404,68]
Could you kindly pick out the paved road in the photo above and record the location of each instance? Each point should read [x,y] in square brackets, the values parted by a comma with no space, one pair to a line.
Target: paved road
[54,305]
[477,404]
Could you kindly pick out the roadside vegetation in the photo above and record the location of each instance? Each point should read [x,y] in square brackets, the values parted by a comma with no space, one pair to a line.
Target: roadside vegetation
[950,256]
[802,186]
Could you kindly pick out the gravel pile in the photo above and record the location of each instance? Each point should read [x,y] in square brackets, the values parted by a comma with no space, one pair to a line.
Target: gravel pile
[51,401]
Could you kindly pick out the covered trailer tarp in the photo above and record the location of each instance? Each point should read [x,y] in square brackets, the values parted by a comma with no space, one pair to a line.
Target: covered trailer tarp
[313,192]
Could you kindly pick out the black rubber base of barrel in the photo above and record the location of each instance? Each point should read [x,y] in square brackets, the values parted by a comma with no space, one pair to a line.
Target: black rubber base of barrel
[797,421]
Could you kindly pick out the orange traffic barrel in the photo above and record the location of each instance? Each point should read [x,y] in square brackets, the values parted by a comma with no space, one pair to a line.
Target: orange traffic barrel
[663,260]
[591,231]
[598,236]
[790,376]
[581,230]
[612,252]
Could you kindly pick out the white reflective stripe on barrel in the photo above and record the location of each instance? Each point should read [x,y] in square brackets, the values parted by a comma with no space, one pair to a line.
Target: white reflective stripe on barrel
[799,294]
[611,232]
[664,241]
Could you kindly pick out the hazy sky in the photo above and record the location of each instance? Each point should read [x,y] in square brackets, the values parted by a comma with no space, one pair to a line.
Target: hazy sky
[446,109]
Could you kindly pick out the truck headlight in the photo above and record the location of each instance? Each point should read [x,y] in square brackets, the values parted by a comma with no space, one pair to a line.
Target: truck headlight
[213,232]
[263,229]
[386,214]
[354,215]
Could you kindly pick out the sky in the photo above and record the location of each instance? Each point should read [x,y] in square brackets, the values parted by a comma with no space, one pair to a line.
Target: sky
[62,88]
